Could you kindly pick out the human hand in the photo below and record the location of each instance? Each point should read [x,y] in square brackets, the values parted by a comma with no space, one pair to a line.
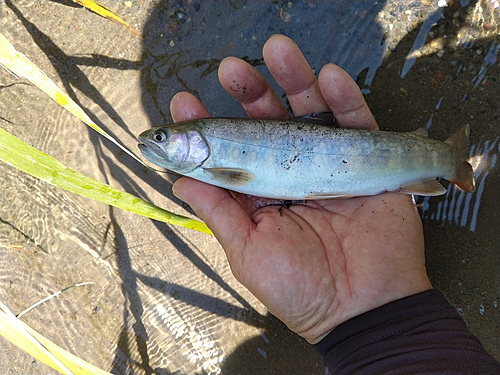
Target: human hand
[318,264]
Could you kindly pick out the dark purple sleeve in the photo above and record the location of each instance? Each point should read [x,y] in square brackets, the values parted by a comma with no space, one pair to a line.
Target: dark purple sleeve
[420,334]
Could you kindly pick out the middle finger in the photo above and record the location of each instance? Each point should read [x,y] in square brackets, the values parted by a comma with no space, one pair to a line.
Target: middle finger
[249,87]
[292,72]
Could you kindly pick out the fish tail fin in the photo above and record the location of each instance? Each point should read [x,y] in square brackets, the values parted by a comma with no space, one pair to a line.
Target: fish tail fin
[464,174]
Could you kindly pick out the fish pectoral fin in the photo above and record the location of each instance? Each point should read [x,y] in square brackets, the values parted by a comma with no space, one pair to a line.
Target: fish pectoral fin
[328,196]
[426,187]
[230,176]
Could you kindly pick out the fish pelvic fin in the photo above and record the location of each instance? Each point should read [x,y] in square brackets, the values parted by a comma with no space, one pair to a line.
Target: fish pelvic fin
[230,176]
[464,174]
[429,187]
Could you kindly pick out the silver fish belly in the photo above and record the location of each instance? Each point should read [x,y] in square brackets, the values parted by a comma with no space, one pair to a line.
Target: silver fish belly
[286,159]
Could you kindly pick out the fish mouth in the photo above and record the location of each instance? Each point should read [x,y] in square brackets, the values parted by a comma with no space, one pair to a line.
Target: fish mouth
[152,149]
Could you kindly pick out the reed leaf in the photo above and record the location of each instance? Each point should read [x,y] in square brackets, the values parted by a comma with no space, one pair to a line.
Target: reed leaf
[38,164]
[105,12]
[41,348]
[21,66]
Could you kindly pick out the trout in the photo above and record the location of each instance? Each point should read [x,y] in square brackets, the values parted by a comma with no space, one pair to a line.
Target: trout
[303,158]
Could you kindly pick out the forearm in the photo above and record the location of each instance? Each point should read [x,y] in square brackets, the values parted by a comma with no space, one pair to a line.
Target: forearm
[419,334]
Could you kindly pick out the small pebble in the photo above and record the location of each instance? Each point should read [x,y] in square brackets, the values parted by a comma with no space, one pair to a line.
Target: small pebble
[287,17]
[312,4]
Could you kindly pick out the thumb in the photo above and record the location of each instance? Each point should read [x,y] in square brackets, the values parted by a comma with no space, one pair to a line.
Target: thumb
[223,214]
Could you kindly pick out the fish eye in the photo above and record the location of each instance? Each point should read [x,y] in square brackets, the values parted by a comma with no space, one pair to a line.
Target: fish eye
[160,136]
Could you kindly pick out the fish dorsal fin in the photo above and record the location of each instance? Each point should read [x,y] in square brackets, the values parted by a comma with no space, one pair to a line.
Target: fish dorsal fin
[230,176]
[421,132]
[328,196]
[426,187]
[322,118]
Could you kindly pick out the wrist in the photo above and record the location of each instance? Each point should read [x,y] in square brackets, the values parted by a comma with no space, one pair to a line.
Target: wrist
[318,330]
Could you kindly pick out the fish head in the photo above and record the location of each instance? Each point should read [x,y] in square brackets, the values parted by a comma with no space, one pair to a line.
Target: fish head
[179,147]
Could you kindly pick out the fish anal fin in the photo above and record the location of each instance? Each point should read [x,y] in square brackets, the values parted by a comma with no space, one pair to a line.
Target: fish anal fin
[426,187]
[328,196]
[230,176]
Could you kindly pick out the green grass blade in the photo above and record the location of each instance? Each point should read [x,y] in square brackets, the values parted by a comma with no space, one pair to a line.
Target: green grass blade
[42,349]
[36,163]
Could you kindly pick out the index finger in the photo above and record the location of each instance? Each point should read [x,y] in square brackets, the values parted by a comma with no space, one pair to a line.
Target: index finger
[185,106]
[293,74]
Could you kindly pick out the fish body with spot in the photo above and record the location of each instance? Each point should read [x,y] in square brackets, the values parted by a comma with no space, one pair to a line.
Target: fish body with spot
[296,159]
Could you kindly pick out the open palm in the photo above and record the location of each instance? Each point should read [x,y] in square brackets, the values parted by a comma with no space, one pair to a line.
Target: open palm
[318,264]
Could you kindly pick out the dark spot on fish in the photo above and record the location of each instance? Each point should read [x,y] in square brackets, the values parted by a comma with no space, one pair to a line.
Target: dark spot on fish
[243,151]
[343,161]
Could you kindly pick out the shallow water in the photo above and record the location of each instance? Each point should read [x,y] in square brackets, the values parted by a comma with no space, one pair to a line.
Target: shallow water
[164,300]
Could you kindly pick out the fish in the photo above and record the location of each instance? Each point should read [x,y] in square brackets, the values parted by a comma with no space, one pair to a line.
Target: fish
[308,157]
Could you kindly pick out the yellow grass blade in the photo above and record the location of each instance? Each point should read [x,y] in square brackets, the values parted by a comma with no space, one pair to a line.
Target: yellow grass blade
[21,66]
[106,13]
[21,335]
[36,163]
